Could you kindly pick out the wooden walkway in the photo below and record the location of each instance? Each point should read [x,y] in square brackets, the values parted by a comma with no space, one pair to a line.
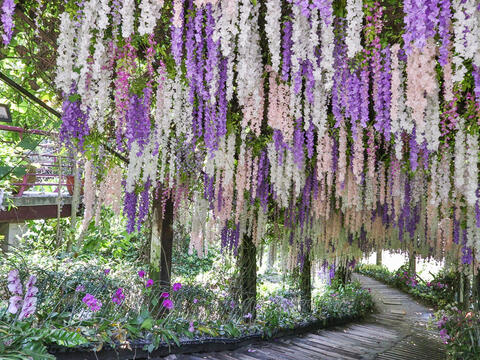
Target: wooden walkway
[397,331]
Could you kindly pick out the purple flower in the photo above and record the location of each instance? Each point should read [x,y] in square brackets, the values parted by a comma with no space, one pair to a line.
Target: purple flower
[118,297]
[165,295]
[14,283]
[92,302]
[80,288]
[176,286]
[106,271]
[168,304]
[74,122]
[191,328]
[15,304]
[248,316]
[8,8]
[195,300]
[149,283]
[141,273]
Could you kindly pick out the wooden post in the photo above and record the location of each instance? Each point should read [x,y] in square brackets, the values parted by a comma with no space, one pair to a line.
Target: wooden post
[412,262]
[248,276]
[161,242]
[306,286]
[379,257]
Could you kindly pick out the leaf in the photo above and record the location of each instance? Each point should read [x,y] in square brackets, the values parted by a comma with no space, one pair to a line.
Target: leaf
[150,348]
[67,338]
[37,351]
[147,324]
[28,143]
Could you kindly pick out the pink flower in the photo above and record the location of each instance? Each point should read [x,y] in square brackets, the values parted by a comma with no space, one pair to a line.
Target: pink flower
[149,283]
[167,303]
[141,273]
[191,328]
[176,286]
[165,295]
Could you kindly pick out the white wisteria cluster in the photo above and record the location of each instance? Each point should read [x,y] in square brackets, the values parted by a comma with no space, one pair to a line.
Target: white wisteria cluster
[466,29]
[272,28]
[150,13]
[66,54]
[327,47]
[103,13]
[127,10]
[354,27]
[249,67]
[84,36]
[226,15]
[471,170]
[460,157]
[98,97]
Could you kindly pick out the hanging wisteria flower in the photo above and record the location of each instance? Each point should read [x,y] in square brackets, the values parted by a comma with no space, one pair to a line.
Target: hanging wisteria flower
[8,8]
[92,303]
[354,27]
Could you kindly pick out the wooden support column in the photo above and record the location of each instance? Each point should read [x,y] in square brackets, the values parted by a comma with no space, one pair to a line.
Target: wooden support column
[412,262]
[306,286]
[248,276]
[162,242]
[379,257]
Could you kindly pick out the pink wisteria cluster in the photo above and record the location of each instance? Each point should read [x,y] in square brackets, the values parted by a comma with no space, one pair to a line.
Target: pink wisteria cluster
[302,116]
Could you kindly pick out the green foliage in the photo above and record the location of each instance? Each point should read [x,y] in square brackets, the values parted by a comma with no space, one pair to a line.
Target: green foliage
[344,302]
[439,292]
[189,265]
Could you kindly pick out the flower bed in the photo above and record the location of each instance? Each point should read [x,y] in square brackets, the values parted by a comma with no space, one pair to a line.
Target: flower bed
[51,305]
[460,331]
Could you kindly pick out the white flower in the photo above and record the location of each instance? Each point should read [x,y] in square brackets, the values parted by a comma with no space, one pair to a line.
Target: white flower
[66,54]
[127,12]
[272,28]
[150,13]
[354,27]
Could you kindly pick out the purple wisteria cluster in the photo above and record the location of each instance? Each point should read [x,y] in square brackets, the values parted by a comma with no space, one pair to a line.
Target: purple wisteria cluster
[74,123]
[8,8]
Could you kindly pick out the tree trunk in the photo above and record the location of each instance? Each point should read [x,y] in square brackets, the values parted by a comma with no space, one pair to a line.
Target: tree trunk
[306,286]
[379,257]
[248,276]
[412,263]
[161,242]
